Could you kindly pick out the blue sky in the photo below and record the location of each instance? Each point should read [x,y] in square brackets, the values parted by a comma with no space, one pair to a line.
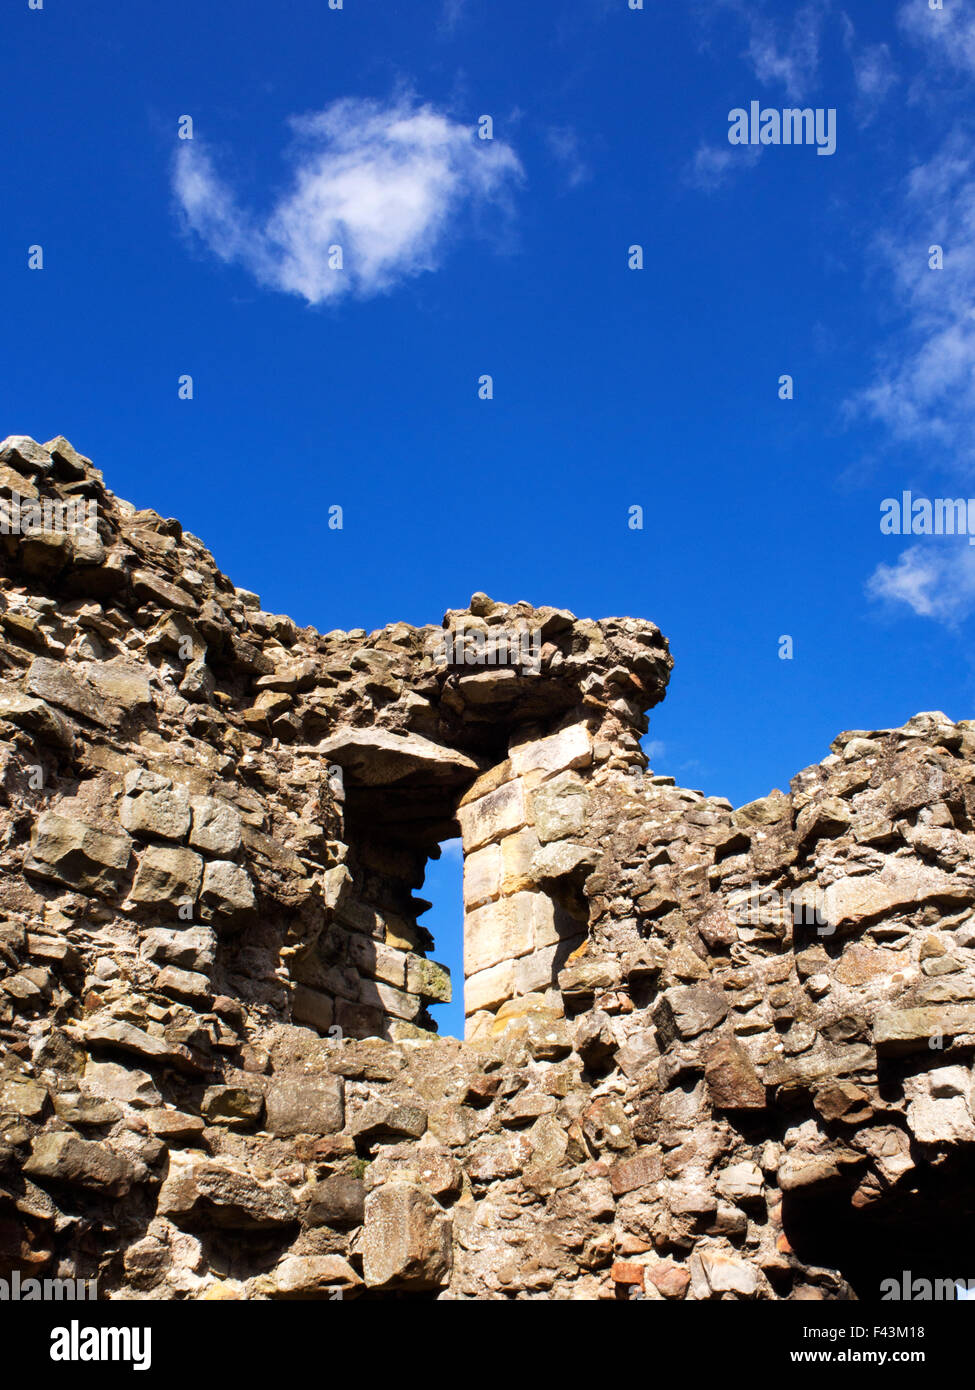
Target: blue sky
[612,387]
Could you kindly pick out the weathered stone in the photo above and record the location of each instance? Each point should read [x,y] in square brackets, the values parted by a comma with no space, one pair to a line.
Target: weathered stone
[206,1193]
[304,1105]
[174,1126]
[69,851]
[63,1157]
[384,1120]
[35,716]
[153,806]
[233,1106]
[337,1201]
[227,894]
[189,948]
[632,1174]
[125,685]
[686,1011]
[560,808]
[570,748]
[497,814]
[376,758]
[114,1082]
[733,1083]
[108,1032]
[167,878]
[216,826]
[406,1239]
[21,1096]
[504,930]
[52,681]
[24,454]
[912,1030]
[897,887]
[307,1276]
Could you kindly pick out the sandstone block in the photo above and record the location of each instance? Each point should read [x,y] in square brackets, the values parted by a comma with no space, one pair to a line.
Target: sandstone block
[732,1081]
[516,860]
[216,826]
[69,851]
[307,1276]
[489,988]
[63,1157]
[202,1193]
[492,816]
[406,1239]
[304,1105]
[167,878]
[482,876]
[912,1030]
[227,894]
[560,808]
[153,806]
[503,930]
[569,748]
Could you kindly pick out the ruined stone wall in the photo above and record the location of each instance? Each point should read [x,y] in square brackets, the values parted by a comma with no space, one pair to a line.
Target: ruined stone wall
[711,1053]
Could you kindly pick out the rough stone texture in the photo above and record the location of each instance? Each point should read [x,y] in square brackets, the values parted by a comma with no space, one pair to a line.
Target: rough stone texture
[711,1053]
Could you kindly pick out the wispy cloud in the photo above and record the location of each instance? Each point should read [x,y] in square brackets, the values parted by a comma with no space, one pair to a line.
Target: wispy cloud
[934,580]
[713,165]
[386,183]
[786,53]
[947,35]
[782,54]
[565,147]
[924,386]
[874,71]
[451,15]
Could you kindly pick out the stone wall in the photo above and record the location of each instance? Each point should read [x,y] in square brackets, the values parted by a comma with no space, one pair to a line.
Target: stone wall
[516,937]
[711,1052]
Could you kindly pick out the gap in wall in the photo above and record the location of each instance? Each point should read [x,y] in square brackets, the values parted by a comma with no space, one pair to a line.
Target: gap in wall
[443,885]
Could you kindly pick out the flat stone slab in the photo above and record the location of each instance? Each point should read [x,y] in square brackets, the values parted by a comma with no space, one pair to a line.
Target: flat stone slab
[377,758]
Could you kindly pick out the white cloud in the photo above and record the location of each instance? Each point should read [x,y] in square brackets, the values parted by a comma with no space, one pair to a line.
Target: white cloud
[451,15]
[386,183]
[714,165]
[452,849]
[874,72]
[924,386]
[787,55]
[563,143]
[948,34]
[934,580]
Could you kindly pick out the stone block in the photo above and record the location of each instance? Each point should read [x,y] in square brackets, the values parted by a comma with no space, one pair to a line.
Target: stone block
[493,816]
[312,1007]
[517,851]
[216,826]
[69,851]
[153,806]
[167,878]
[406,1238]
[482,876]
[569,748]
[502,930]
[560,808]
[227,893]
[489,988]
[297,1104]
